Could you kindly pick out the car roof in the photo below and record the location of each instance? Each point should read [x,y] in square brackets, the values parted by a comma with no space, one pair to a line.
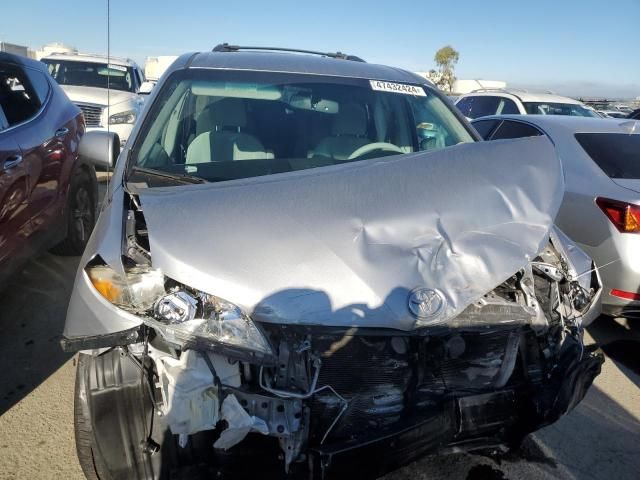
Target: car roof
[83,57]
[525,96]
[567,124]
[300,63]
[20,60]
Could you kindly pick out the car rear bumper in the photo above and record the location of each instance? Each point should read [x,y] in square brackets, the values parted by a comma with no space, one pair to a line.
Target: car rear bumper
[620,308]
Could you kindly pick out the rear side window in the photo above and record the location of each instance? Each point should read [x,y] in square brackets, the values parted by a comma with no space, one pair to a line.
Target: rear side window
[507,107]
[464,105]
[39,83]
[481,106]
[18,98]
[509,129]
[485,127]
[617,154]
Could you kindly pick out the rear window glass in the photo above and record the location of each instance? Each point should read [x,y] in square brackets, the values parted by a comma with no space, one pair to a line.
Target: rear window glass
[617,154]
[510,129]
[479,106]
[546,108]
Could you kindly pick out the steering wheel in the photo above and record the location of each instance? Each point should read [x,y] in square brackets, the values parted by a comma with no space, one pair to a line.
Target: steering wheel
[372,147]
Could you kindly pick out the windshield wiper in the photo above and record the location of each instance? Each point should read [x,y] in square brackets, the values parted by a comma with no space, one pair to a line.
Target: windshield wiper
[173,176]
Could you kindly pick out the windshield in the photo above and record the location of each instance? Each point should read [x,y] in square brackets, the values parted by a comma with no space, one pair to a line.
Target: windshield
[90,74]
[222,125]
[545,108]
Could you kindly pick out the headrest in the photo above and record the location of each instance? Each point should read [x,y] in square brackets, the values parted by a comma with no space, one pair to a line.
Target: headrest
[228,112]
[351,120]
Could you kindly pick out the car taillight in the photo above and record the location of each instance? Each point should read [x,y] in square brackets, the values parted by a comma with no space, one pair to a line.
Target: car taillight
[624,216]
[625,295]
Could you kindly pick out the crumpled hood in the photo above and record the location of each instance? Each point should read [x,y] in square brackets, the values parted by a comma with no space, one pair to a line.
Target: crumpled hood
[346,245]
[96,95]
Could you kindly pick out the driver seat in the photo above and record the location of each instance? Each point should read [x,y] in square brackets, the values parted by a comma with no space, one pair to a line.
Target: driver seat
[221,136]
[348,133]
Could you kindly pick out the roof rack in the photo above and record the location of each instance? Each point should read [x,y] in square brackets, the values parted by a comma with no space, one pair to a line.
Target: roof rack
[225,47]
[86,55]
[511,90]
[503,90]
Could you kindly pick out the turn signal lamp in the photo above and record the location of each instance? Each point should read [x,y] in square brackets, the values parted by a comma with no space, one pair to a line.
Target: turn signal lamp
[624,216]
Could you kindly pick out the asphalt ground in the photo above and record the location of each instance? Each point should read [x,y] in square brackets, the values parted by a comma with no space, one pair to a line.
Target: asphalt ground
[600,439]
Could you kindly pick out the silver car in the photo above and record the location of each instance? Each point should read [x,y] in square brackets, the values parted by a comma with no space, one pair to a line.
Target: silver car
[309,263]
[601,207]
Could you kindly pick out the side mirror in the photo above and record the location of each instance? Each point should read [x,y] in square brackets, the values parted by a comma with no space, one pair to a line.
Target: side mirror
[145,88]
[100,147]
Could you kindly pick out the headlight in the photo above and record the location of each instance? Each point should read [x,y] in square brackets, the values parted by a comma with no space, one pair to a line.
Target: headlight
[137,291]
[181,315]
[123,117]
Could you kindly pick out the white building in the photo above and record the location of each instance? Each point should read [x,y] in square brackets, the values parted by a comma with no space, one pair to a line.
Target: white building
[461,87]
[14,49]
[54,47]
[154,67]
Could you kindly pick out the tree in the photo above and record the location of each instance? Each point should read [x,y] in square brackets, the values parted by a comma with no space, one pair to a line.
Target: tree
[445,58]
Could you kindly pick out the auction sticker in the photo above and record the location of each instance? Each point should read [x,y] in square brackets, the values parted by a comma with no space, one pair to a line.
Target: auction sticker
[404,88]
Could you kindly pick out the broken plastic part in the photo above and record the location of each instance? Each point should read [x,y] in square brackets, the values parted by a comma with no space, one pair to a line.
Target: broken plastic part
[190,400]
[239,422]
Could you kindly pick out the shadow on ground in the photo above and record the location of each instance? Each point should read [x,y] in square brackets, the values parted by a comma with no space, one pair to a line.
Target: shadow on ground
[620,341]
[34,306]
[597,440]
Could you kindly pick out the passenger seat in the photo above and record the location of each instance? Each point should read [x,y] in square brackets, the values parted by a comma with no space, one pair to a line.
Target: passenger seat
[220,137]
[348,133]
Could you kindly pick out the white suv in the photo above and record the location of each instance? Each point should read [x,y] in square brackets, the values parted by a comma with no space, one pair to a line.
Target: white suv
[107,90]
[481,103]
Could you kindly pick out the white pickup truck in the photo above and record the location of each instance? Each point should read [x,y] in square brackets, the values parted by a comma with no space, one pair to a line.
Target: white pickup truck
[109,91]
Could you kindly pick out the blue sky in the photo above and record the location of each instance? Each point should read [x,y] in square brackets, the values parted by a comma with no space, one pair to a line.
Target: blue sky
[578,47]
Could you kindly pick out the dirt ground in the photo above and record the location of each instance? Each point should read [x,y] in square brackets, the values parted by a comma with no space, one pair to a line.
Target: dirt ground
[600,439]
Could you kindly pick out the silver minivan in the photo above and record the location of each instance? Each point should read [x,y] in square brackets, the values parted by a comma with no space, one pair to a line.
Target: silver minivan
[307,265]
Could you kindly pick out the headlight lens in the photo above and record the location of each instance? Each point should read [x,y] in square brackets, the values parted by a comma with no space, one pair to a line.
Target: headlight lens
[137,291]
[181,315]
[123,117]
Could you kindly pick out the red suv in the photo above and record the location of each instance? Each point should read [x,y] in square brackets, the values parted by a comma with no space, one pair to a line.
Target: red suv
[48,195]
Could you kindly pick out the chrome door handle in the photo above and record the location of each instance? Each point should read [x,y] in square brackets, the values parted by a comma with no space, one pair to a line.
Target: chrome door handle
[11,162]
[61,132]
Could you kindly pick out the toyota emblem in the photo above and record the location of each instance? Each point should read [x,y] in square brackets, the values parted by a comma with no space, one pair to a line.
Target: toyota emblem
[426,303]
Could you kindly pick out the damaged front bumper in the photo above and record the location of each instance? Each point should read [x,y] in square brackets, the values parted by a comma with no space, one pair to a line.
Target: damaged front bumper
[329,397]
[318,401]
[483,422]
[388,400]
